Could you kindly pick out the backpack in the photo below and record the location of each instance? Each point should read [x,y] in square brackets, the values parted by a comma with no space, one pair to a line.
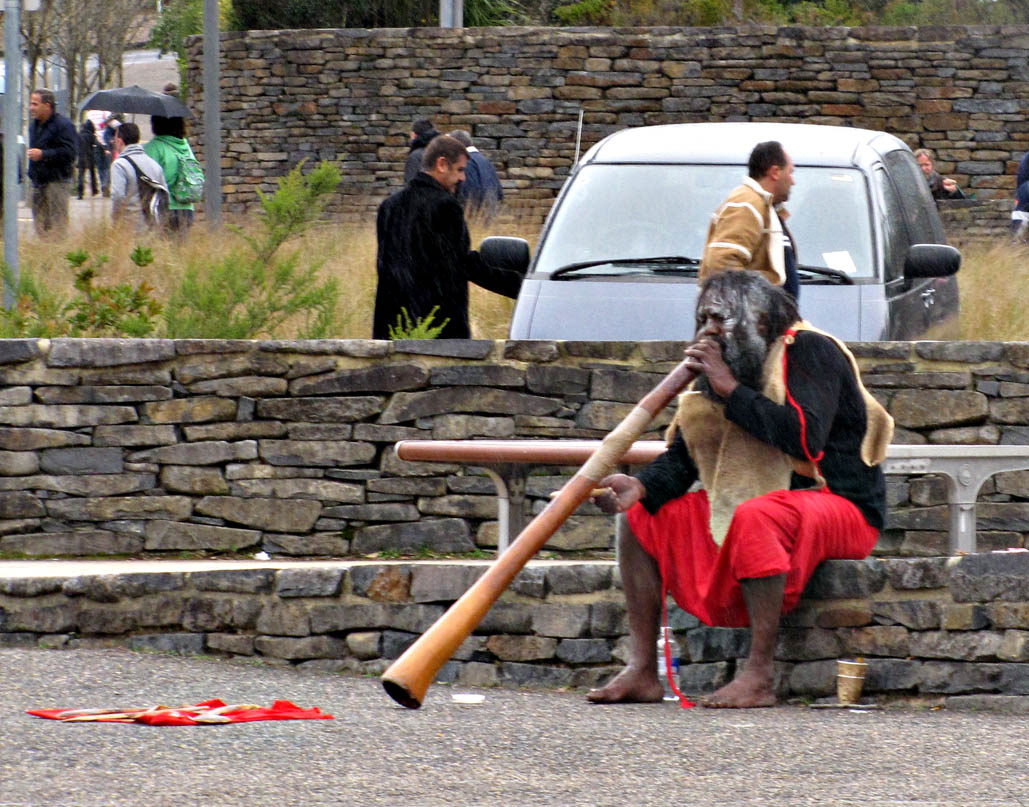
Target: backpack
[189,181]
[153,197]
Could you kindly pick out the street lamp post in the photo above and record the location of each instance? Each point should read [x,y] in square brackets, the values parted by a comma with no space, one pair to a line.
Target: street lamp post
[212,116]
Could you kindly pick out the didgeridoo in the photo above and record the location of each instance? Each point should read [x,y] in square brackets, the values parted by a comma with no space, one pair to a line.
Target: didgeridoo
[408,678]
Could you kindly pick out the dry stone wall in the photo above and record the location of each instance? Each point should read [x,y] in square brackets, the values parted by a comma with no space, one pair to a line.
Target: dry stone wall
[351,96]
[950,629]
[159,448]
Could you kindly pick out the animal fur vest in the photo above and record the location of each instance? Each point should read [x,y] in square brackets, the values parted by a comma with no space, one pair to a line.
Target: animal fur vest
[735,466]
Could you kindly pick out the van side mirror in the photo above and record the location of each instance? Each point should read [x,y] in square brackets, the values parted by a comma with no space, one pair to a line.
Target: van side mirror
[506,253]
[931,260]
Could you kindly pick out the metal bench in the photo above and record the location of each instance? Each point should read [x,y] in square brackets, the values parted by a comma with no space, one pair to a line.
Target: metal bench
[509,463]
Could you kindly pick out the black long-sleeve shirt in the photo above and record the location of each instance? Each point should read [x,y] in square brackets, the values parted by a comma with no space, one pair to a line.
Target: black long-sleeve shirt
[822,382]
[425,260]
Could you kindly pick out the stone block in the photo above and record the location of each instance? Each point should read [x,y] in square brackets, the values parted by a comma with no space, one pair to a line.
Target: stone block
[891,675]
[190,410]
[807,644]
[71,543]
[992,576]
[961,645]
[241,581]
[1007,614]
[965,616]
[561,621]
[180,644]
[394,643]
[535,676]
[174,508]
[212,452]
[29,439]
[547,380]
[916,573]
[321,489]
[846,579]
[478,674]
[716,644]
[915,614]
[102,394]
[1014,646]
[326,544]
[530,582]
[508,617]
[197,481]
[20,505]
[284,619]
[919,409]
[320,410]
[44,416]
[443,583]
[382,583]
[248,386]
[438,535]
[461,427]
[308,582]
[166,535]
[698,679]
[332,453]
[108,352]
[203,614]
[134,435]
[274,515]
[521,648]
[18,463]
[583,651]
[580,578]
[308,647]
[364,645]
[815,679]
[876,640]
[230,643]
[409,406]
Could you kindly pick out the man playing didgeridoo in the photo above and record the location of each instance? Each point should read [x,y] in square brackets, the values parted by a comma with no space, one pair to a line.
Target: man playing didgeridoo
[789,473]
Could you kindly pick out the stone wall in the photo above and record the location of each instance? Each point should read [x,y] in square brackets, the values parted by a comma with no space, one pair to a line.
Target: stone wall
[159,448]
[927,627]
[351,95]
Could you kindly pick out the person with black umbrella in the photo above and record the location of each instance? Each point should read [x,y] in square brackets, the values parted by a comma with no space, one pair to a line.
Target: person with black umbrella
[52,150]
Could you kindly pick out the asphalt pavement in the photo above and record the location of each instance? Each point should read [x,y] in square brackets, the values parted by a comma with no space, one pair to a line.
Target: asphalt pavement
[514,748]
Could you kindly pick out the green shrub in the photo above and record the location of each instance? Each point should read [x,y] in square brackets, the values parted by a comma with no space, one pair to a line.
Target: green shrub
[118,310]
[245,296]
[422,329]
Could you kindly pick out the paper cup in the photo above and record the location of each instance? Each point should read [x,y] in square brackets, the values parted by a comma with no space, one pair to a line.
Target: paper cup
[850,679]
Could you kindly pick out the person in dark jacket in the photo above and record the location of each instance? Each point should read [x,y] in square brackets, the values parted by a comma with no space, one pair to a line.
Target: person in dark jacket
[88,146]
[939,187]
[424,258]
[53,145]
[480,193]
[1020,215]
[422,133]
[774,401]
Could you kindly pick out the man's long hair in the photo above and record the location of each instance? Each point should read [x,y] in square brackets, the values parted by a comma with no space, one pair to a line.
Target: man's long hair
[756,313]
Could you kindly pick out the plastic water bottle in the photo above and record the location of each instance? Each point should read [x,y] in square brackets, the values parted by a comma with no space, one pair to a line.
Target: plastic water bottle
[662,665]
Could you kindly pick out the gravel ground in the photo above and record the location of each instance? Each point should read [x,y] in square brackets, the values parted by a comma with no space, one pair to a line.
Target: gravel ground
[515,748]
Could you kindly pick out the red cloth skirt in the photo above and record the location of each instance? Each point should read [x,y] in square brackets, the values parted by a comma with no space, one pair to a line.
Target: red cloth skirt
[784,532]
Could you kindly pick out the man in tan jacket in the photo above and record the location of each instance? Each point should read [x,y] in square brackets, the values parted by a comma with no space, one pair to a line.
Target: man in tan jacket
[748,230]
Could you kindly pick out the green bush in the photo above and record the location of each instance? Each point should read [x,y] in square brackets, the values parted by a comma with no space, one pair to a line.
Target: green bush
[246,296]
[119,310]
[424,328]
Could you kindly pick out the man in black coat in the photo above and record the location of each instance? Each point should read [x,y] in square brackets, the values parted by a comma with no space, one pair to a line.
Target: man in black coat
[53,145]
[425,259]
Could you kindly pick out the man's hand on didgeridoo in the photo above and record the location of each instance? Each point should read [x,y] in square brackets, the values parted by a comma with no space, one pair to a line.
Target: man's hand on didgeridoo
[620,492]
[705,356]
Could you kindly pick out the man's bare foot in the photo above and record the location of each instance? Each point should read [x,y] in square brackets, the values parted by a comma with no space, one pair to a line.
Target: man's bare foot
[748,691]
[629,686]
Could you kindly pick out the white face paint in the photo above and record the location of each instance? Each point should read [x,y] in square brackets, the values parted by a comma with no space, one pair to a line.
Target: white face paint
[732,317]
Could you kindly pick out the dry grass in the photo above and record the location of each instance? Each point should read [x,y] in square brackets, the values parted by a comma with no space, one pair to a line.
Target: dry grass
[994,283]
[994,280]
[344,251]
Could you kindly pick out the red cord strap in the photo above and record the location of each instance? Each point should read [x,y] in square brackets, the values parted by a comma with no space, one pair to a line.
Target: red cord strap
[791,334]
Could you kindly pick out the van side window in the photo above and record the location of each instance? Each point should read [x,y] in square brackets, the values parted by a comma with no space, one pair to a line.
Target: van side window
[895,235]
[915,198]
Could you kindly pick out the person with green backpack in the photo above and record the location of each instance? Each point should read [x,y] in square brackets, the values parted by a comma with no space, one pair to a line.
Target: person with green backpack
[182,171]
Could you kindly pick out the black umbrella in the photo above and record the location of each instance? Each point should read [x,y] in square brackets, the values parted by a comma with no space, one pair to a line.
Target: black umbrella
[137,100]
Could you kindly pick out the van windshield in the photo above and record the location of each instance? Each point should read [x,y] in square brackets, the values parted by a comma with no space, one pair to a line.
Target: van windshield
[639,211]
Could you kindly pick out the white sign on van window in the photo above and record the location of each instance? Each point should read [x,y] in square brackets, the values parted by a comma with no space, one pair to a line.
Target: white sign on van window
[840,261]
